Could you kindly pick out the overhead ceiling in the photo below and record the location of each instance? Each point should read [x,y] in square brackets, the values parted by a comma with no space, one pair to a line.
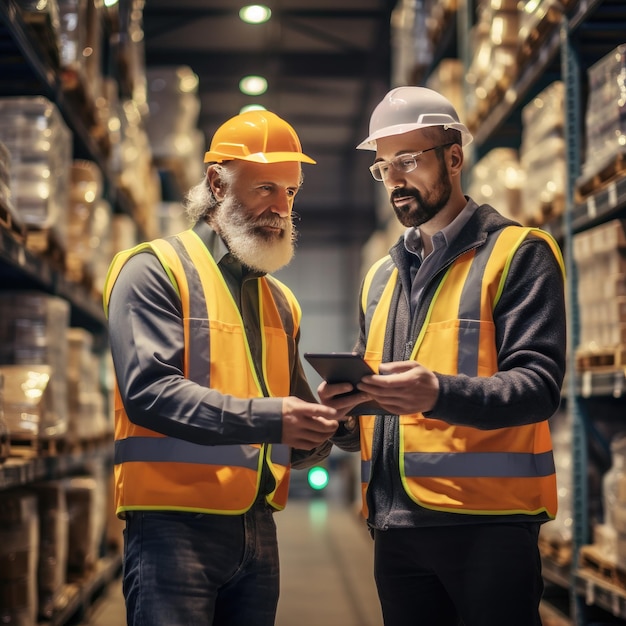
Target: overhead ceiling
[327,63]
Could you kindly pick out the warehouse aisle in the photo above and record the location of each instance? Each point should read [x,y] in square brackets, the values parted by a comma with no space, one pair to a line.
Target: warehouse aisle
[327,567]
[326,570]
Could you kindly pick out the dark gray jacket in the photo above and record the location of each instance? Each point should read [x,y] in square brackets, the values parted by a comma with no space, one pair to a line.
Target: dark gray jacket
[530,337]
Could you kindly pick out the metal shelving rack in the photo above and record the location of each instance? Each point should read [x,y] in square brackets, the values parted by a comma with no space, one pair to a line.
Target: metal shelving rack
[572,114]
[588,30]
[25,69]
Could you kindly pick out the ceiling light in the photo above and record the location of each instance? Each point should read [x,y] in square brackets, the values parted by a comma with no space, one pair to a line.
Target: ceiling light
[252,107]
[253,85]
[255,14]
[187,79]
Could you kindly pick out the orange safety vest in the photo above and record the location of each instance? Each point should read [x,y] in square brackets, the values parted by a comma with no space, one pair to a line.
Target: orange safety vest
[153,471]
[443,466]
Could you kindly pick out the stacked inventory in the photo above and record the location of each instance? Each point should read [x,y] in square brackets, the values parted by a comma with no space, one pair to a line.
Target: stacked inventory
[41,150]
[615,500]
[605,122]
[53,544]
[51,534]
[555,536]
[86,405]
[77,183]
[8,215]
[84,196]
[33,361]
[493,65]
[447,79]
[4,428]
[87,515]
[172,124]
[536,18]
[600,255]
[19,553]
[439,16]
[411,50]
[542,156]
[498,180]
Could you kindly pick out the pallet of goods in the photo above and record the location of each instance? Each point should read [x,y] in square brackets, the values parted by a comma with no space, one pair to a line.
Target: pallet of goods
[600,256]
[595,564]
[33,363]
[559,552]
[40,147]
[605,125]
[537,22]
[542,156]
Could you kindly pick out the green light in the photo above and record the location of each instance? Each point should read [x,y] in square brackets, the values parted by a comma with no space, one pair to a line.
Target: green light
[318,478]
[255,14]
[253,85]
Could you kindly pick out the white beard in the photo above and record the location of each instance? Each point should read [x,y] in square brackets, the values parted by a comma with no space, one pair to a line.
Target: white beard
[257,250]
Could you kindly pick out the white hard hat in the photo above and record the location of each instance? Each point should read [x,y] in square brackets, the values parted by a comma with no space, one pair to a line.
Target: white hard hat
[405,109]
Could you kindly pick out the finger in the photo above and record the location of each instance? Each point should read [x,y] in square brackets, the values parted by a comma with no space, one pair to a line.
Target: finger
[321,410]
[336,389]
[397,367]
[327,424]
[376,387]
[310,440]
[320,424]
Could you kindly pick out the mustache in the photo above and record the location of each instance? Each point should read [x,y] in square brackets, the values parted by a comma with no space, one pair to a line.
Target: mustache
[403,193]
[273,222]
[285,224]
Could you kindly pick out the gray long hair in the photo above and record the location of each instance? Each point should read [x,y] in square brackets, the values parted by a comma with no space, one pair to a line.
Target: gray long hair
[200,202]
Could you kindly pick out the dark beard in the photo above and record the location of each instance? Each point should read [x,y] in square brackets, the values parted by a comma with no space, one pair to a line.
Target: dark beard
[422,210]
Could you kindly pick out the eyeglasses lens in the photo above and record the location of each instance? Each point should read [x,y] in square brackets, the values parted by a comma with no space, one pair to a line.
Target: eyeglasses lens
[404,163]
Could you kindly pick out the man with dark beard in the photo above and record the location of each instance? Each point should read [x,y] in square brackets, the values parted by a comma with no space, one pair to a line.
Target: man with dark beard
[212,407]
[464,323]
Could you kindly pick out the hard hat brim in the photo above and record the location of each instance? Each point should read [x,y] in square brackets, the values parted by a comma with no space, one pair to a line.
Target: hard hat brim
[260,157]
[400,129]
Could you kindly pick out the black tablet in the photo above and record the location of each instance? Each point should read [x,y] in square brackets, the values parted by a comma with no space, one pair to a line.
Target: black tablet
[339,367]
[344,367]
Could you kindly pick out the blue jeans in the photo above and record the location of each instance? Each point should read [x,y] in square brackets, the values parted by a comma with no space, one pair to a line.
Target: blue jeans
[187,569]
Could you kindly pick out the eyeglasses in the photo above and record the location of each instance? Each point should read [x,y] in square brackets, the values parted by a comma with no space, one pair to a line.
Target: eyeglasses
[402,163]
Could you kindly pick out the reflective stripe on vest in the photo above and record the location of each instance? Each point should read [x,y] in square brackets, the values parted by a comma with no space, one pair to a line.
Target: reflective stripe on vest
[173,474]
[457,468]
[132,450]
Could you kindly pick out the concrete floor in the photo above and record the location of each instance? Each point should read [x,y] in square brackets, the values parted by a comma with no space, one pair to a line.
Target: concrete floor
[326,570]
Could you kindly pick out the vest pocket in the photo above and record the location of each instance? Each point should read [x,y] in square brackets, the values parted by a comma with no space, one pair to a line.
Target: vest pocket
[469,347]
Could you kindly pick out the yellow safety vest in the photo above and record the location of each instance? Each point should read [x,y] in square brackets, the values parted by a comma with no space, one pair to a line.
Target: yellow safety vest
[153,471]
[452,468]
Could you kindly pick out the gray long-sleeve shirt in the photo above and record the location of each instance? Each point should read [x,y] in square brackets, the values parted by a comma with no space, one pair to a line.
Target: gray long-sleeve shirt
[147,346]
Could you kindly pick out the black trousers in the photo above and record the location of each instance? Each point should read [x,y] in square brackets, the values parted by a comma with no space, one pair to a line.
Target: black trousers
[475,575]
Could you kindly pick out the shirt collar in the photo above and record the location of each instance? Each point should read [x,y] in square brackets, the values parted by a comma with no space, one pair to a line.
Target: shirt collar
[442,238]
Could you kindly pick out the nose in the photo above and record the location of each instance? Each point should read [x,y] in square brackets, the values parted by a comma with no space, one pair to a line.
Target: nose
[283,204]
[393,178]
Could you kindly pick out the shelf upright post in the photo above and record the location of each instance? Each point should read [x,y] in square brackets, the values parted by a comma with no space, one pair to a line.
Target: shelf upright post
[570,70]
[465,18]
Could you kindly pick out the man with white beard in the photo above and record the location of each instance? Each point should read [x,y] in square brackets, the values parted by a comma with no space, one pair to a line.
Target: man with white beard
[212,407]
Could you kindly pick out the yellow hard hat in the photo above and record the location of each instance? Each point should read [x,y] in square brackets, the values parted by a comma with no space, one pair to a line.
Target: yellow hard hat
[257,136]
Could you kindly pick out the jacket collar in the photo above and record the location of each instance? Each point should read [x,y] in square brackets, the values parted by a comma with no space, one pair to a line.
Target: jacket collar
[484,221]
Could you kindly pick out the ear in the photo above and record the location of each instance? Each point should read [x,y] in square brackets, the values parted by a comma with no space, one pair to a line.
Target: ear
[215,181]
[456,158]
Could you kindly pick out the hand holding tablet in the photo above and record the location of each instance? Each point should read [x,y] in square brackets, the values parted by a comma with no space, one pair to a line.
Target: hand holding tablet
[344,367]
